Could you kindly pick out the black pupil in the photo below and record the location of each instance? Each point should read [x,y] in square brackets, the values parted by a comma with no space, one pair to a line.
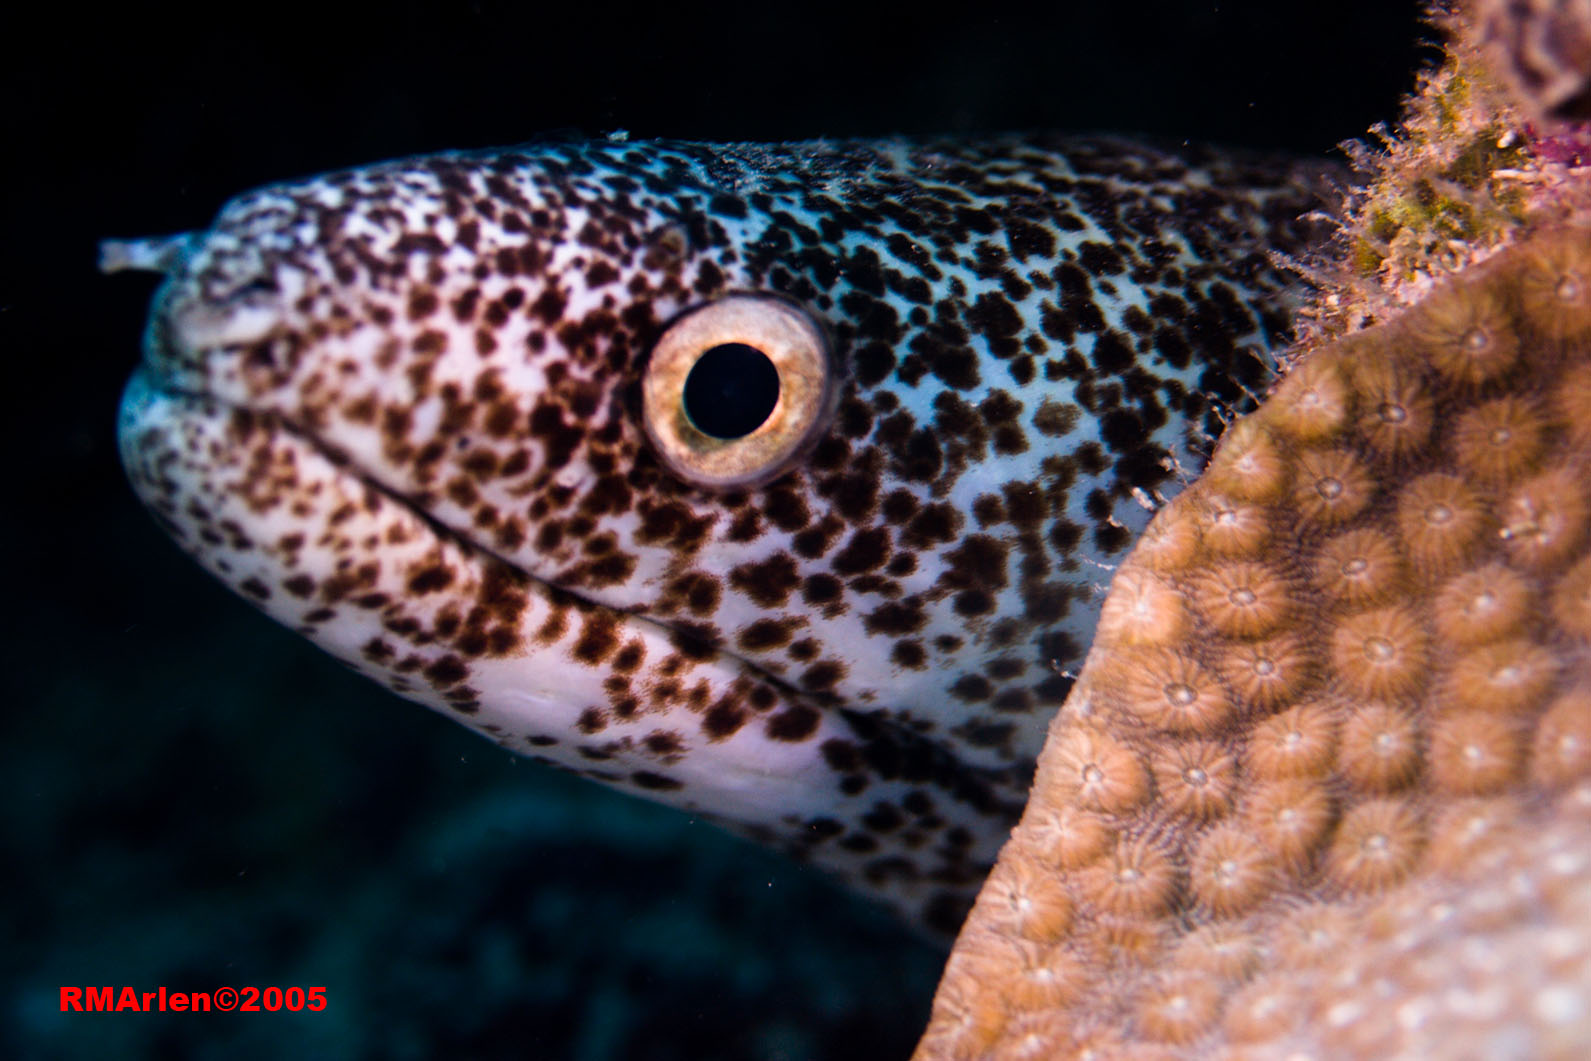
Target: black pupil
[731,390]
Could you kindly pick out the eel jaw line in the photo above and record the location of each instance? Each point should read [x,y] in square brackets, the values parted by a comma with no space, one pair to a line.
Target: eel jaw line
[188,452]
[148,378]
[191,450]
[189,331]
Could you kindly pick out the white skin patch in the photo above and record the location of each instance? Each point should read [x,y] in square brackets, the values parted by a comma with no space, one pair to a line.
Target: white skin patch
[397,409]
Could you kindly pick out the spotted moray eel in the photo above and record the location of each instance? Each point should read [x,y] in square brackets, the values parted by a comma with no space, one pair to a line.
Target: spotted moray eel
[454,419]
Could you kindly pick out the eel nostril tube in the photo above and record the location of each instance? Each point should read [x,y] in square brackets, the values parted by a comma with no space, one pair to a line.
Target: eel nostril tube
[154,254]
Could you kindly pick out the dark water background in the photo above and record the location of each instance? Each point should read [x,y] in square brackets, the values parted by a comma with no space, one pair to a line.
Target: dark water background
[190,796]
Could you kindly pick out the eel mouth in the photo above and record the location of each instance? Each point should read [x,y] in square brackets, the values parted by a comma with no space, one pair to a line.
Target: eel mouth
[310,530]
[154,404]
[213,474]
[201,351]
[260,503]
[197,439]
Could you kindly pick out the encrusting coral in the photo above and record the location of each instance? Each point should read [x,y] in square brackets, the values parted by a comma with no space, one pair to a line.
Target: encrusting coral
[1323,787]
[1408,769]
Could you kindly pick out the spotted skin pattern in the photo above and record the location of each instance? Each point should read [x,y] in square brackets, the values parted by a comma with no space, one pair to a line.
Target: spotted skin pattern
[397,408]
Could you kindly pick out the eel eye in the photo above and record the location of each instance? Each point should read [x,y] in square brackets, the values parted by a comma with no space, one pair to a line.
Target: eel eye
[737,391]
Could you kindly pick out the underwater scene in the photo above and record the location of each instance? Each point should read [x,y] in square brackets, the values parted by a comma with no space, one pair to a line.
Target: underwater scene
[197,798]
